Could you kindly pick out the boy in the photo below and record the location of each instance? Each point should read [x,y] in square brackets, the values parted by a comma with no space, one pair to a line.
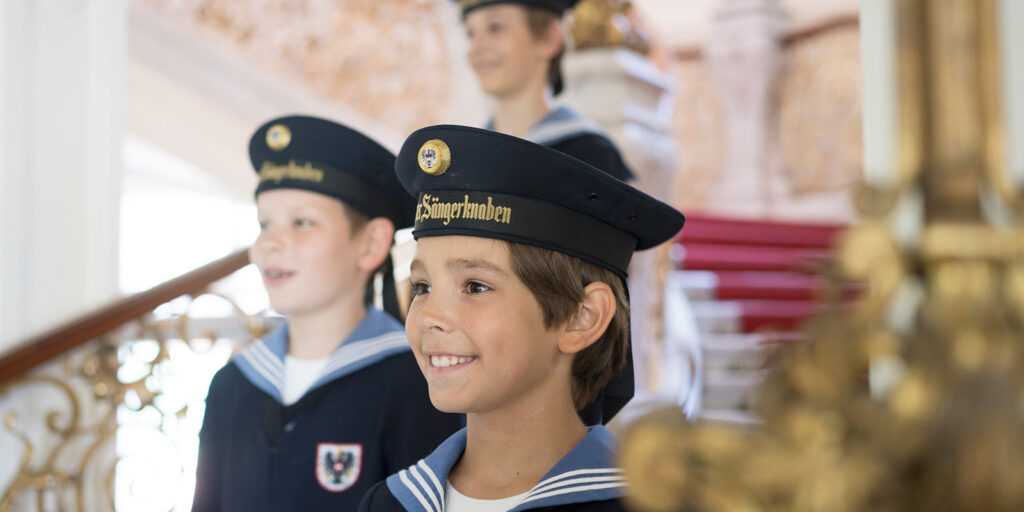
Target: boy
[330,403]
[515,50]
[519,318]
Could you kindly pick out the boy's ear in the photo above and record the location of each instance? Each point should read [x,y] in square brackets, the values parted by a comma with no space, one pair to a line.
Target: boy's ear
[377,234]
[553,40]
[592,317]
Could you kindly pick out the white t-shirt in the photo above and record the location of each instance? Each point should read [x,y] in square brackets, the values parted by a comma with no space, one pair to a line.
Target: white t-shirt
[299,375]
[455,501]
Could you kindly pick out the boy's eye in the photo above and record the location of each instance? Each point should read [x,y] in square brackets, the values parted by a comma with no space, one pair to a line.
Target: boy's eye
[264,225]
[419,288]
[495,27]
[303,223]
[474,287]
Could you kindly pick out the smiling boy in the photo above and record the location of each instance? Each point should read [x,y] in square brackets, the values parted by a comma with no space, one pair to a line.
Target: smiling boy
[519,319]
[310,416]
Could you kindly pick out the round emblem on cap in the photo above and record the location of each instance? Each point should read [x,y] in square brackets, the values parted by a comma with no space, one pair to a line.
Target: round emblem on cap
[278,137]
[435,157]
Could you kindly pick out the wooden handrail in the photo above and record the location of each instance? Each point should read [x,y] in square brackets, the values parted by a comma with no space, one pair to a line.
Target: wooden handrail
[40,349]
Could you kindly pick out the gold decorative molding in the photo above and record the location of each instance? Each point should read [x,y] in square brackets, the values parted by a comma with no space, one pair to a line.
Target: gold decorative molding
[608,23]
[816,135]
[820,113]
[697,126]
[67,414]
[382,57]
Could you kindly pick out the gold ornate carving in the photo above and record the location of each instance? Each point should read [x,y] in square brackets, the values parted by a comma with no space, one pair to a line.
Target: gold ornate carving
[372,55]
[819,106]
[914,399]
[72,410]
[604,23]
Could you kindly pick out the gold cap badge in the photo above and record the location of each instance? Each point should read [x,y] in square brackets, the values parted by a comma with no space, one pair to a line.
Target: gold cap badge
[435,157]
[278,137]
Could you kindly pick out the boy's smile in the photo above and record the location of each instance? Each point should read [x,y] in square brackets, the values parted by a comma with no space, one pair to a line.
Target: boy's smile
[448,361]
[477,331]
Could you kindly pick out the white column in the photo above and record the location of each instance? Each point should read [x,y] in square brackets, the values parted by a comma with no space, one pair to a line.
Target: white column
[1011,18]
[62,63]
[880,122]
[745,55]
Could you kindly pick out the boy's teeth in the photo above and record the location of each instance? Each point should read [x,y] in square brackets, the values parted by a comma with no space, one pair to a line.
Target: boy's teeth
[446,361]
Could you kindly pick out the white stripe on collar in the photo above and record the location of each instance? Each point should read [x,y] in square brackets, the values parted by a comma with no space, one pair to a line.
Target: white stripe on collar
[379,336]
[433,478]
[591,480]
[577,485]
[263,368]
[356,350]
[561,130]
[603,474]
[436,499]
[560,124]
[404,476]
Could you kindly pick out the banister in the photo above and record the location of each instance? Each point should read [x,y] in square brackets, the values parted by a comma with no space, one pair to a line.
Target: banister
[47,345]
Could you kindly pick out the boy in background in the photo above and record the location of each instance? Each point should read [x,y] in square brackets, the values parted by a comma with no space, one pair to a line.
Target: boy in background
[316,412]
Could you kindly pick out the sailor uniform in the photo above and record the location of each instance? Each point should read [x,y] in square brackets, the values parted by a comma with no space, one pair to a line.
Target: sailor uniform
[569,132]
[585,479]
[365,417]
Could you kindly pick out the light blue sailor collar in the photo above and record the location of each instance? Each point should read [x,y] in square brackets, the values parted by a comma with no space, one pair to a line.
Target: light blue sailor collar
[378,336]
[560,124]
[584,474]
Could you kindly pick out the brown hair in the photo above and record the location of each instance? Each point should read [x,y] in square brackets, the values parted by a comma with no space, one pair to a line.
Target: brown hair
[557,281]
[538,20]
[357,220]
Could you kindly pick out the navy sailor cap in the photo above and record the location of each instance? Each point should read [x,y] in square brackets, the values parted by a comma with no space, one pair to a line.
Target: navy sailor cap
[556,6]
[477,182]
[322,156]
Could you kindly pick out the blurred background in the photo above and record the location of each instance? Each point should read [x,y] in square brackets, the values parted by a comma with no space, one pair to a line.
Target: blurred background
[126,193]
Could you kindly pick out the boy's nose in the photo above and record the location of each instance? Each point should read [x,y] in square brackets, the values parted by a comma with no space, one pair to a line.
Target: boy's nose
[433,315]
[267,241]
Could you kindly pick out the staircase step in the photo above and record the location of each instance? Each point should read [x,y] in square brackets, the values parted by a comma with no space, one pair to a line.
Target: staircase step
[720,257]
[743,351]
[752,315]
[717,316]
[734,418]
[697,285]
[714,230]
[768,285]
[738,284]
[767,339]
[780,315]
[732,389]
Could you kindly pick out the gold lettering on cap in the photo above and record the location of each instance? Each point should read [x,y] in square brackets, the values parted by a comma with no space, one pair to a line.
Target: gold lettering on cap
[291,171]
[430,207]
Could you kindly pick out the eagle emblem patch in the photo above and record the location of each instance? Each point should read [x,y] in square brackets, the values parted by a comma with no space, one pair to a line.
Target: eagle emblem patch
[338,465]
[435,157]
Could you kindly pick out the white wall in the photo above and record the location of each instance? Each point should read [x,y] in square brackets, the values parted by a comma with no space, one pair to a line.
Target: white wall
[881,123]
[62,65]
